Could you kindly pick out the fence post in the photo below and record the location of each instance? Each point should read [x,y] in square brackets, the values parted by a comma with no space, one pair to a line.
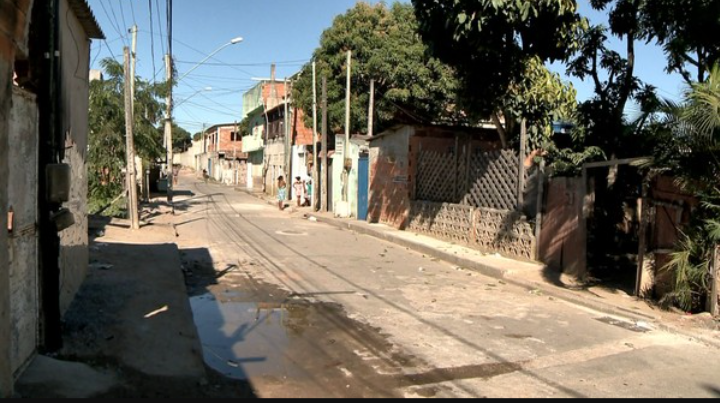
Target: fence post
[538,214]
[417,172]
[642,236]
[714,307]
[521,165]
[456,195]
[468,171]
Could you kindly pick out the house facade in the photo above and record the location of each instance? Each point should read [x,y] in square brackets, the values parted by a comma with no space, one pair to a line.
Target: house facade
[222,156]
[43,190]
[264,96]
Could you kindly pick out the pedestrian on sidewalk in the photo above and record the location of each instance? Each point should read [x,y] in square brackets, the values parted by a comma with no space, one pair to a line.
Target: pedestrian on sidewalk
[282,192]
[308,192]
[299,187]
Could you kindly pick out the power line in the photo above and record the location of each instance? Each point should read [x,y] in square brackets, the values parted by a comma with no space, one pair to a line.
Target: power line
[209,109]
[162,43]
[152,41]
[214,58]
[132,9]
[116,24]
[122,14]
[287,62]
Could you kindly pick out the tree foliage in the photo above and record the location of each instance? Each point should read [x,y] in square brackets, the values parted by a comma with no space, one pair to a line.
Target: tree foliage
[613,77]
[409,84]
[181,138]
[688,30]
[106,157]
[490,42]
[688,147]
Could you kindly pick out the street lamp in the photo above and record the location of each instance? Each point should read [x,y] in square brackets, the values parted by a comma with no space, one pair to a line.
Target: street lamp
[168,122]
[206,89]
[232,42]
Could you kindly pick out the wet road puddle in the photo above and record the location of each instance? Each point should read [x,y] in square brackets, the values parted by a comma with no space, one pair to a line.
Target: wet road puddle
[293,346]
[243,339]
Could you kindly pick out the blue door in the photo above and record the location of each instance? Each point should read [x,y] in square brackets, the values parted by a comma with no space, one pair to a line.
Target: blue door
[363,187]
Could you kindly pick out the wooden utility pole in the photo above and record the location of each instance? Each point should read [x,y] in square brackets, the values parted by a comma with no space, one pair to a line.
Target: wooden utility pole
[130,148]
[371,110]
[313,199]
[168,132]
[288,142]
[346,147]
[324,162]
[133,58]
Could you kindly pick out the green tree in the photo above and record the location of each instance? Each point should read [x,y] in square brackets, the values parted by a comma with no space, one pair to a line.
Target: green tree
[409,84]
[688,147]
[688,31]
[181,138]
[491,43]
[106,156]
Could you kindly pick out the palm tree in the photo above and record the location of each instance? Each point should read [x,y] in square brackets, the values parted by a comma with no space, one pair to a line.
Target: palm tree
[694,159]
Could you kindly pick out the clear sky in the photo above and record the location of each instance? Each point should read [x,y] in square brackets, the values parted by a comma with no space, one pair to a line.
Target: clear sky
[281,31]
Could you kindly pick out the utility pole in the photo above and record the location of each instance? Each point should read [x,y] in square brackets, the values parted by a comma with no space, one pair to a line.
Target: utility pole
[130,148]
[346,149]
[133,56]
[371,111]
[168,133]
[324,184]
[288,143]
[168,121]
[313,203]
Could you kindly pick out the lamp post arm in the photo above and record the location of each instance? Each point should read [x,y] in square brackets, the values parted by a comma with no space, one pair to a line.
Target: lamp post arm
[232,42]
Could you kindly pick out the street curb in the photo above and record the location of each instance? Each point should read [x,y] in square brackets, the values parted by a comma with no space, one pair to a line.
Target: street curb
[565,295]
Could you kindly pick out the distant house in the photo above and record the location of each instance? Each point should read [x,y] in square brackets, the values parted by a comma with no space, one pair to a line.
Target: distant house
[256,102]
[222,154]
[45,216]
[276,128]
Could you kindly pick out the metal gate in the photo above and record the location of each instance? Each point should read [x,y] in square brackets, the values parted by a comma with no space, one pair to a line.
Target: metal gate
[363,187]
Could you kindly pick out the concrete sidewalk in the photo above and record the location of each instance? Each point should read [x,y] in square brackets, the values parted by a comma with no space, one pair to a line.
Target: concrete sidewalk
[130,330]
[535,277]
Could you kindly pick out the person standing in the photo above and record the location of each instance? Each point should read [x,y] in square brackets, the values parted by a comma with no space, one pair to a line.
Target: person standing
[308,192]
[282,192]
[299,188]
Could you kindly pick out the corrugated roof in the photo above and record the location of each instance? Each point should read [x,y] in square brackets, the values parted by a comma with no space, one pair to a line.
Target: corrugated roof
[87,19]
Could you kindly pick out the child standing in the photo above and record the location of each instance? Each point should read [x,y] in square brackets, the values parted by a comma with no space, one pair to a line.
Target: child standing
[282,192]
[299,188]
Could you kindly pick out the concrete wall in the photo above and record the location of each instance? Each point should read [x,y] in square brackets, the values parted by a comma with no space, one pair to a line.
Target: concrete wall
[14,28]
[23,245]
[75,48]
[255,140]
[390,178]
[188,159]
[276,165]
[348,207]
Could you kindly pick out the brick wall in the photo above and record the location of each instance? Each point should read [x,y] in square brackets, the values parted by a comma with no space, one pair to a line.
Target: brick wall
[390,181]
[302,135]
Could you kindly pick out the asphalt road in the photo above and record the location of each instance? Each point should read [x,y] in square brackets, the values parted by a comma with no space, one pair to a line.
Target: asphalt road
[303,309]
